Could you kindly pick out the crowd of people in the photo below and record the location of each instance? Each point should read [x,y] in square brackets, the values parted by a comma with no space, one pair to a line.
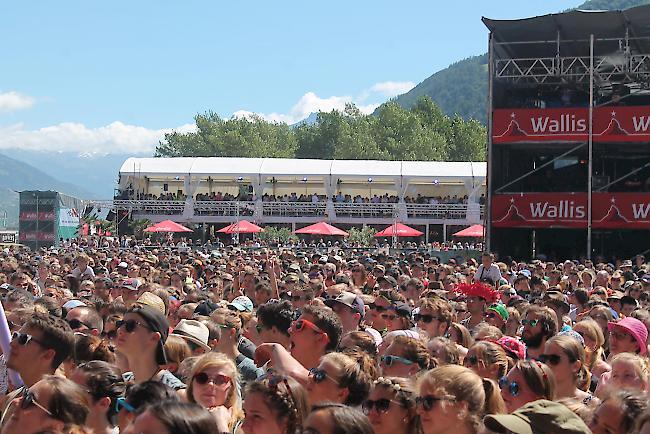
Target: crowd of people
[279,341]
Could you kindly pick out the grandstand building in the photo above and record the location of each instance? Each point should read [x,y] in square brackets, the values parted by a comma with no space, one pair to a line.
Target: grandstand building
[569,134]
[436,197]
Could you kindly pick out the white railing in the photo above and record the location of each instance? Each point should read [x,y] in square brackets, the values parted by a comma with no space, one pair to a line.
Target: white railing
[226,208]
[365,209]
[293,209]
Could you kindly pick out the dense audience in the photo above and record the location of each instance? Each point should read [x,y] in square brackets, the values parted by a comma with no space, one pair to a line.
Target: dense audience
[168,340]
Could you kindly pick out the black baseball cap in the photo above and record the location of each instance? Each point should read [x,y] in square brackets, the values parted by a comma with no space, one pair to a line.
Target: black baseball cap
[157,322]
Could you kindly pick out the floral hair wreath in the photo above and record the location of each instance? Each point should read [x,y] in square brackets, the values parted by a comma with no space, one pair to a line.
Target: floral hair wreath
[478,289]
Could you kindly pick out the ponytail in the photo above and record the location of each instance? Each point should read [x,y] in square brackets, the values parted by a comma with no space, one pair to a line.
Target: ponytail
[493,401]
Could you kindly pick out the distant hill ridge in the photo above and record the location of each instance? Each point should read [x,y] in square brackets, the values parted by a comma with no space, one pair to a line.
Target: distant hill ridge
[461,88]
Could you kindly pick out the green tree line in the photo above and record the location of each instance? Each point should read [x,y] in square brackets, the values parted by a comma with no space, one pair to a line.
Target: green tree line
[422,132]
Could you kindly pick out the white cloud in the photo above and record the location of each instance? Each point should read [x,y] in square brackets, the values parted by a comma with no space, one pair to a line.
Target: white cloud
[392,88]
[115,137]
[12,101]
[367,101]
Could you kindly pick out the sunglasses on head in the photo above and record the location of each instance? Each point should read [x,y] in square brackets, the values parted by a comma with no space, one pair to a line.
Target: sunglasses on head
[391,360]
[549,359]
[23,339]
[425,318]
[319,375]
[511,386]
[382,405]
[28,400]
[427,402]
[532,322]
[129,325]
[217,380]
[299,325]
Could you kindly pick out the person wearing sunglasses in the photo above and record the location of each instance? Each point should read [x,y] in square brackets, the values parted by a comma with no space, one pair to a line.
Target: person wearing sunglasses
[565,355]
[496,315]
[104,385]
[527,381]
[453,400]
[434,316]
[316,332]
[405,357]
[540,324]
[487,359]
[338,378]
[138,397]
[274,404]
[47,406]
[213,386]
[85,319]
[38,349]
[390,406]
[274,321]
[141,338]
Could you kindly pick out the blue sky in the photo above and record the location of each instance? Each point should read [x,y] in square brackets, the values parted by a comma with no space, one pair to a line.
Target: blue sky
[116,75]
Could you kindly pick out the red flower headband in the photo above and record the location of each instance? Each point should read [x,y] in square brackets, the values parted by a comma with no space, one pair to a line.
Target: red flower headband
[478,289]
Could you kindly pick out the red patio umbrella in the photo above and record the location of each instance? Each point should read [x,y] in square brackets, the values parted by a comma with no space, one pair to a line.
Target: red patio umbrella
[400,230]
[168,226]
[242,227]
[477,231]
[322,228]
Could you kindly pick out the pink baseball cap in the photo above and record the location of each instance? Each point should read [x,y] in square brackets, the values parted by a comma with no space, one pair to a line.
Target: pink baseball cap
[514,346]
[635,328]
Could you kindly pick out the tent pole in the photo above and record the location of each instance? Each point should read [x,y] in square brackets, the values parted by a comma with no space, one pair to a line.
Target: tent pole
[591,147]
[487,222]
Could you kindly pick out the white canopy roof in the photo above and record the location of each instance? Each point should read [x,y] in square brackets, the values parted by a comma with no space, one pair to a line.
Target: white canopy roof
[204,166]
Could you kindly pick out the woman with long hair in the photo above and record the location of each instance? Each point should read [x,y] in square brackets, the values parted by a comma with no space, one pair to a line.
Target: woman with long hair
[527,381]
[274,404]
[213,385]
[172,417]
[338,378]
[487,359]
[594,346]
[565,355]
[390,406]
[453,400]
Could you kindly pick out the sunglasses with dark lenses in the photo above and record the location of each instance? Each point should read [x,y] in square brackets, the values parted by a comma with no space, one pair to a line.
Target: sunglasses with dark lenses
[511,386]
[75,324]
[391,360]
[319,375]
[129,325]
[427,402]
[121,403]
[472,360]
[298,297]
[425,318]
[218,380]
[490,315]
[110,335]
[29,400]
[549,359]
[389,317]
[23,339]
[532,322]
[382,405]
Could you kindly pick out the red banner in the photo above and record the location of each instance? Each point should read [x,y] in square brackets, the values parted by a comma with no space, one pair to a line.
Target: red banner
[34,236]
[569,210]
[33,216]
[611,124]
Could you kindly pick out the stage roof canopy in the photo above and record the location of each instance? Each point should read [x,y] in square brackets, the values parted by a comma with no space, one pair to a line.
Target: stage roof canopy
[574,29]
[266,167]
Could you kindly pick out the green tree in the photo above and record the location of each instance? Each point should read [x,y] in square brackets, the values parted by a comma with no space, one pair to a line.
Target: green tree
[139,225]
[362,236]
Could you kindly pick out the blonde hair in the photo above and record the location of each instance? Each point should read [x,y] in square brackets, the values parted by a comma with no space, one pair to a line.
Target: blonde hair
[176,350]
[595,333]
[640,366]
[461,384]
[493,354]
[351,377]
[220,361]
